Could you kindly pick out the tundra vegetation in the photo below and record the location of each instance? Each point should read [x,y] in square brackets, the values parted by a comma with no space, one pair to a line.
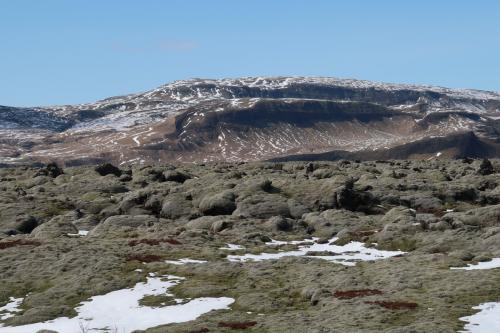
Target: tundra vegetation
[69,234]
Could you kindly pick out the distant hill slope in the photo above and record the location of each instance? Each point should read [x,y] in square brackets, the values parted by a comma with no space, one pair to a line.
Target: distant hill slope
[258,119]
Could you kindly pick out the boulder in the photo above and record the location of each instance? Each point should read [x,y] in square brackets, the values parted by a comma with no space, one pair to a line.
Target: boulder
[51,170]
[154,203]
[482,217]
[202,223]
[323,173]
[399,215]
[486,168]
[86,223]
[218,204]
[123,222]
[130,221]
[262,206]
[108,169]
[133,199]
[175,176]
[58,226]
[220,225]
[347,197]
[280,223]
[22,223]
[176,206]
[257,185]
[423,203]
[297,209]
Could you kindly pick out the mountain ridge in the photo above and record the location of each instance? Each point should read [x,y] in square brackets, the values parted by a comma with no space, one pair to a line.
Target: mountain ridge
[246,119]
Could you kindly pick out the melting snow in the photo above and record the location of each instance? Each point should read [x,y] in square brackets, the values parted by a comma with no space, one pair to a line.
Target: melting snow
[120,311]
[494,263]
[344,254]
[9,309]
[485,321]
[232,247]
[80,233]
[184,261]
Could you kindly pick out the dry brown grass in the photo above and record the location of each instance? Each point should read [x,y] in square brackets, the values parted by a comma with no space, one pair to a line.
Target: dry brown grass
[395,305]
[243,325]
[152,242]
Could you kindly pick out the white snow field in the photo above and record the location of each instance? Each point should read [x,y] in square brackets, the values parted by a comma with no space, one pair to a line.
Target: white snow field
[485,321]
[119,311]
[346,254]
[493,263]
[9,309]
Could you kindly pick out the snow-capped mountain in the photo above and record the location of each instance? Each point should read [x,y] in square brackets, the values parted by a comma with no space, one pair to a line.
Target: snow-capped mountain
[249,119]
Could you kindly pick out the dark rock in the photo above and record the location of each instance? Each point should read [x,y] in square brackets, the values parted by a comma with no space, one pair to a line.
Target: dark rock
[486,168]
[309,168]
[51,170]
[154,204]
[220,225]
[24,224]
[280,223]
[347,197]
[175,176]
[108,169]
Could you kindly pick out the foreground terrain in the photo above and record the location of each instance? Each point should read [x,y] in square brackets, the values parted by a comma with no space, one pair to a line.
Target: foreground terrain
[269,247]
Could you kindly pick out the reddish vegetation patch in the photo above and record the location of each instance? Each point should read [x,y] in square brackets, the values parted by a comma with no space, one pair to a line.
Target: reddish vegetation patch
[348,294]
[144,257]
[154,241]
[18,242]
[201,330]
[395,305]
[237,325]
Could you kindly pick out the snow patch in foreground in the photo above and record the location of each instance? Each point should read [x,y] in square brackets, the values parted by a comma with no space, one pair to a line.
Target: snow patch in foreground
[485,321]
[120,310]
[493,263]
[346,254]
[9,309]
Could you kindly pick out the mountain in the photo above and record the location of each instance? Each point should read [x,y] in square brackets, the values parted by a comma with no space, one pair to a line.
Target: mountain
[247,119]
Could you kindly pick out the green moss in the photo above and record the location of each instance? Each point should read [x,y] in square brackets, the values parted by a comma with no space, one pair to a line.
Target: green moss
[90,196]
[55,208]
[205,286]
[403,244]
[157,301]
[401,318]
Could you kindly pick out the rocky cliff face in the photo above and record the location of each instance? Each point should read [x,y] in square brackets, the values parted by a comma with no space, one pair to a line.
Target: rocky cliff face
[255,119]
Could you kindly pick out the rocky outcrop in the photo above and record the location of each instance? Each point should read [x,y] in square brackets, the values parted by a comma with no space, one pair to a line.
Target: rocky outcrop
[218,204]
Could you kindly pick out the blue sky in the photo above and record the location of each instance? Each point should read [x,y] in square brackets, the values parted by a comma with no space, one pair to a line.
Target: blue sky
[75,51]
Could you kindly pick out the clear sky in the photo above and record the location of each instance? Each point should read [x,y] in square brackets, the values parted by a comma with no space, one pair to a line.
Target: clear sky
[75,51]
